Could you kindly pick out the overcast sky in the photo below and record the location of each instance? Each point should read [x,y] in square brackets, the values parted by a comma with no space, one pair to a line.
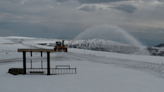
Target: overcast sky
[143,19]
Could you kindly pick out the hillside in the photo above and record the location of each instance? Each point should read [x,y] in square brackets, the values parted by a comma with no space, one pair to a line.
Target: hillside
[157,50]
[95,44]
[96,70]
[91,44]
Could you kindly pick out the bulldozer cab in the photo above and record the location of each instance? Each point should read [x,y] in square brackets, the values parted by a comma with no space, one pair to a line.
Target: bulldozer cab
[58,43]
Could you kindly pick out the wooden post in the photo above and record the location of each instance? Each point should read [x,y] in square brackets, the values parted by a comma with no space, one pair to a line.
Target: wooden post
[48,63]
[31,64]
[24,62]
[31,53]
[41,53]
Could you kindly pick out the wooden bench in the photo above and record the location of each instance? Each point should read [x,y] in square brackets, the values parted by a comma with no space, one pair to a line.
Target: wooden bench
[37,72]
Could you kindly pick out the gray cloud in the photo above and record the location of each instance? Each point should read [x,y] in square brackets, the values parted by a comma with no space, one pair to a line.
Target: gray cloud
[92,7]
[125,8]
[44,30]
[160,0]
[87,8]
[98,1]
[61,1]
[50,19]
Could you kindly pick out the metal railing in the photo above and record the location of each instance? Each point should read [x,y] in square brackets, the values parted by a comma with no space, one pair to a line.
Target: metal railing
[59,69]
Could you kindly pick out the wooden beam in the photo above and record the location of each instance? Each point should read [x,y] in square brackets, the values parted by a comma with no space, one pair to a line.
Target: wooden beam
[36,50]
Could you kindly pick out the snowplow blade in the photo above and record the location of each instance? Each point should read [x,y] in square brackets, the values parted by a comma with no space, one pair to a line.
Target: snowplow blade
[61,49]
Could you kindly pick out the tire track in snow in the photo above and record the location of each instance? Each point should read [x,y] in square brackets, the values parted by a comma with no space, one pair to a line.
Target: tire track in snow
[151,68]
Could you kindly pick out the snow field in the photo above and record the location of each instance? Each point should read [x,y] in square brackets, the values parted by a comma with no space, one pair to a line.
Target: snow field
[97,71]
[90,77]
[143,58]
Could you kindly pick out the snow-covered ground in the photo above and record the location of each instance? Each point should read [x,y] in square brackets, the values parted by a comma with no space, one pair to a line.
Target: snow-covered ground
[97,71]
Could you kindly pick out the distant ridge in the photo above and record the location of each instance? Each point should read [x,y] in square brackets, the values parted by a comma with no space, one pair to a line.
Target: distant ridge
[160,45]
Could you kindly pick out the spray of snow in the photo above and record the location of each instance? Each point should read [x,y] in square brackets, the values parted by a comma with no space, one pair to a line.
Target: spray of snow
[108,32]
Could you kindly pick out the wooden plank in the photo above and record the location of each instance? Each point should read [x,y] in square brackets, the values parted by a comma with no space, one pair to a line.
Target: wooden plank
[36,71]
[36,50]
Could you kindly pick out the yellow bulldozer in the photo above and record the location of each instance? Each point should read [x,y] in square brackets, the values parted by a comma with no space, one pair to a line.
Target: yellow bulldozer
[60,47]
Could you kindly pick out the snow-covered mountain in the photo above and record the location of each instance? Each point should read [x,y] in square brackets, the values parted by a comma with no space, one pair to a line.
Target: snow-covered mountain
[160,45]
[156,51]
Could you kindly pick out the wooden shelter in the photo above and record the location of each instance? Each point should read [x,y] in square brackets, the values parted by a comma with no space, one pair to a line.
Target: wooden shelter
[36,50]
[67,69]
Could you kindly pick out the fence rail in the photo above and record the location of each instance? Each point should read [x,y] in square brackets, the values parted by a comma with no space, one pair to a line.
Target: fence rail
[53,71]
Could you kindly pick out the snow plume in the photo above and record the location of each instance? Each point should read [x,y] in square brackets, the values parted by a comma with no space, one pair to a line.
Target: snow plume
[111,33]
[108,32]
[109,46]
